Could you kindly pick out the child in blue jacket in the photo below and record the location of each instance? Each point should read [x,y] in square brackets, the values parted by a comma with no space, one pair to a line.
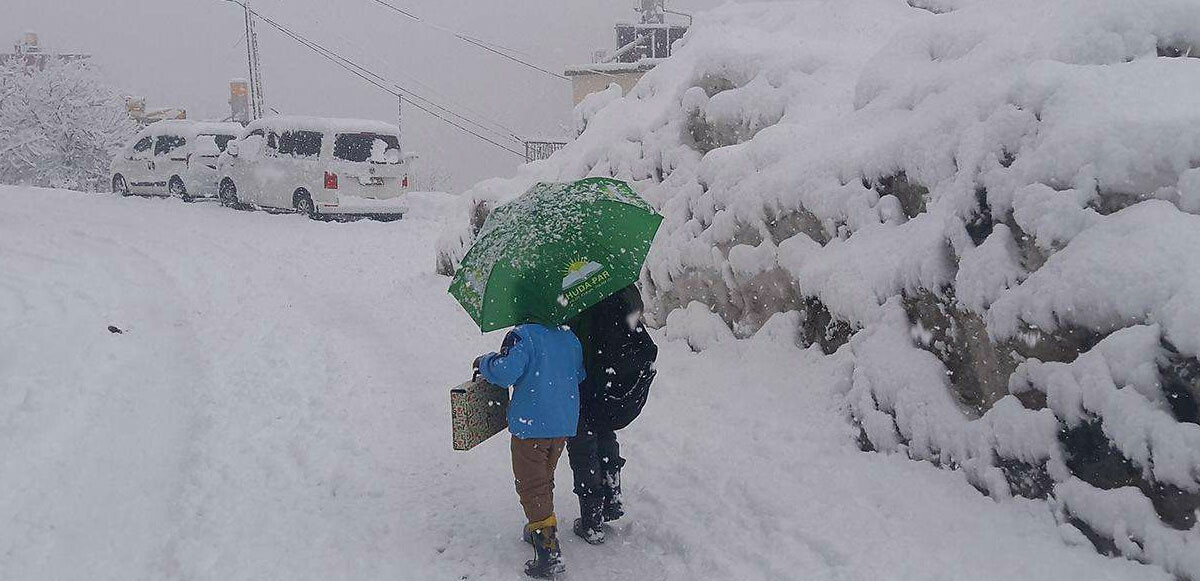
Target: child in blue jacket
[544,365]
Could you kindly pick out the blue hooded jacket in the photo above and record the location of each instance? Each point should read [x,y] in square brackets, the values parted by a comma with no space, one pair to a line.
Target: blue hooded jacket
[544,365]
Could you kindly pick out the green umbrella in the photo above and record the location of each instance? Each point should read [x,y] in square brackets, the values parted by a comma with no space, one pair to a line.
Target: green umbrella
[555,251]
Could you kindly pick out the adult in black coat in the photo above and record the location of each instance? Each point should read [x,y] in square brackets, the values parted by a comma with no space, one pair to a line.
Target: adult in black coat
[618,356]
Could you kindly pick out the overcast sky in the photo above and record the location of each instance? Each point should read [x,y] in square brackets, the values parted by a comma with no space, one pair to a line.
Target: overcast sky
[183,53]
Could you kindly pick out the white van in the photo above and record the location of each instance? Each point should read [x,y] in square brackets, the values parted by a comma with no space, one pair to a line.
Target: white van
[173,158]
[317,167]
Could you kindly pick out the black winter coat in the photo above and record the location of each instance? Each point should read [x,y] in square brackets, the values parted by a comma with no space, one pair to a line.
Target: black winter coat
[618,355]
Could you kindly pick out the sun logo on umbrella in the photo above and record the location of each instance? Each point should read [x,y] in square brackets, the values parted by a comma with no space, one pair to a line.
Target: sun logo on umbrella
[578,270]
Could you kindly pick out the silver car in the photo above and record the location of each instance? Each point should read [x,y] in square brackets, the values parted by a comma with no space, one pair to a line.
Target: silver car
[173,158]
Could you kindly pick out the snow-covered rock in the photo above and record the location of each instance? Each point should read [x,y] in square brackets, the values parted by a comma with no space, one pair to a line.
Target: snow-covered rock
[987,209]
[698,326]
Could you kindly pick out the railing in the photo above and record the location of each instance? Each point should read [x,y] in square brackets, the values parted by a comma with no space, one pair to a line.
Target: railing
[538,150]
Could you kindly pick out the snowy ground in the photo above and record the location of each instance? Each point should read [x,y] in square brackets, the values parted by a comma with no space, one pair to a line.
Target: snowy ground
[277,408]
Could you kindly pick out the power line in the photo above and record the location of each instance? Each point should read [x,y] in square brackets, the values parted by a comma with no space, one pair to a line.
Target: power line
[505,131]
[435,26]
[384,84]
[490,47]
[512,58]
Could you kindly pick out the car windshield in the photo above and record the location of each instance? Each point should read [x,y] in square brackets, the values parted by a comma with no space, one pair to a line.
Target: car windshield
[372,147]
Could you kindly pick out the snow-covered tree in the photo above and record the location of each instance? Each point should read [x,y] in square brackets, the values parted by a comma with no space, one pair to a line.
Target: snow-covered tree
[59,126]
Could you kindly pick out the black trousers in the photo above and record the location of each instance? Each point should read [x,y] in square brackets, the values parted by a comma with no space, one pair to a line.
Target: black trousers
[596,464]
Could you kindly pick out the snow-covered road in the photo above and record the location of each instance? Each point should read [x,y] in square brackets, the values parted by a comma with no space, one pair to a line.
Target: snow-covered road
[277,408]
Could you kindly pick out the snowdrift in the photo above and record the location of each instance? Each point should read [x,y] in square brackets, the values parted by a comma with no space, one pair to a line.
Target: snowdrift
[986,210]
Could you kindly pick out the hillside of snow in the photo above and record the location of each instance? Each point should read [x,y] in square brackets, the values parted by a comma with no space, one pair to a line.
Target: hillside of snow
[274,405]
[987,212]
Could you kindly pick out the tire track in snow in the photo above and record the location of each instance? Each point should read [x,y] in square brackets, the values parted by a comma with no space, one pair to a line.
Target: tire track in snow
[111,409]
[315,445]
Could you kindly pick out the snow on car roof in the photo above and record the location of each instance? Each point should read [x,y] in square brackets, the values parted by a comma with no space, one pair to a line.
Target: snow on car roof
[187,128]
[326,124]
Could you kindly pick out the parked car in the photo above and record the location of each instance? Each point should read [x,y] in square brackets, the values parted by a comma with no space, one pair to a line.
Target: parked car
[316,166]
[173,158]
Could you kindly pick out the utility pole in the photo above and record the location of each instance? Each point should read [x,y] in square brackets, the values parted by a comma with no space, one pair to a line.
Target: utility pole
[256,88]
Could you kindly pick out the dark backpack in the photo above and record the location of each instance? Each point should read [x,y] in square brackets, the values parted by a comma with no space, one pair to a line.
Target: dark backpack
[619,357]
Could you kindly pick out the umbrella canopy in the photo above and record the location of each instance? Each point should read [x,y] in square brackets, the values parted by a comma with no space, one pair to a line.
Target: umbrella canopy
[555,251]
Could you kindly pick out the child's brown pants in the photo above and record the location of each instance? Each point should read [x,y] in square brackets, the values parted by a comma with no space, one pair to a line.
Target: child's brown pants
[534,461]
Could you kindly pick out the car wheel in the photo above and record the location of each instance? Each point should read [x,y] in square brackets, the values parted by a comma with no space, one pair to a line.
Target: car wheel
[119,185]
[229,196]
[303,204]
[177,189]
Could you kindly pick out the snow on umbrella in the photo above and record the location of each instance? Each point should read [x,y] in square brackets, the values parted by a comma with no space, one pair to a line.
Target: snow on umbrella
[555,251]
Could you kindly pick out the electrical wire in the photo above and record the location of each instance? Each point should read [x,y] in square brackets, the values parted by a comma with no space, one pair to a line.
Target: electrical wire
[503,131]
[381,82]
[490,47]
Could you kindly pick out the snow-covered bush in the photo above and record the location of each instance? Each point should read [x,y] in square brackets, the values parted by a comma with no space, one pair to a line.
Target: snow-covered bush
[985,210]
[59,127]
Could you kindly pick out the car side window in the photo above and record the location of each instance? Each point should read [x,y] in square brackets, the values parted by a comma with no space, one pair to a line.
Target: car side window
[272,148]
[206,146]
[168,143]
[141,148]
[300,144]
[222,141]
[251,145]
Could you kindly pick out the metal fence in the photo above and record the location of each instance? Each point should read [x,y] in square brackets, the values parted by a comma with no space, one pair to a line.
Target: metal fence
[537,150]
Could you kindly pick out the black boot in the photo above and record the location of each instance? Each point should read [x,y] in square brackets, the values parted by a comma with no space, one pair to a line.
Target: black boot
[614,507]
[547,556]
[590,524]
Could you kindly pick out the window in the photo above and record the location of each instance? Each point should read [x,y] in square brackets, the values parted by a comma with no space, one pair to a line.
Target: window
[209,145]
[303,144]
[252,144]
[656,40]
[143,144]
[168,143]
[206,146]
[373,147]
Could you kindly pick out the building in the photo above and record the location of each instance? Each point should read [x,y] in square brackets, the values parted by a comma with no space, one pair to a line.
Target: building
[639,47]
[30,50]
[136,106]
[239,101]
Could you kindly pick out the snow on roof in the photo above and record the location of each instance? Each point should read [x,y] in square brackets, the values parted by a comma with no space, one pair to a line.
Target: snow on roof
[641,66]
[324,124]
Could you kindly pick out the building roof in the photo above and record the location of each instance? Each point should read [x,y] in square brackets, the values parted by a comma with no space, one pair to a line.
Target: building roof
[612,68]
